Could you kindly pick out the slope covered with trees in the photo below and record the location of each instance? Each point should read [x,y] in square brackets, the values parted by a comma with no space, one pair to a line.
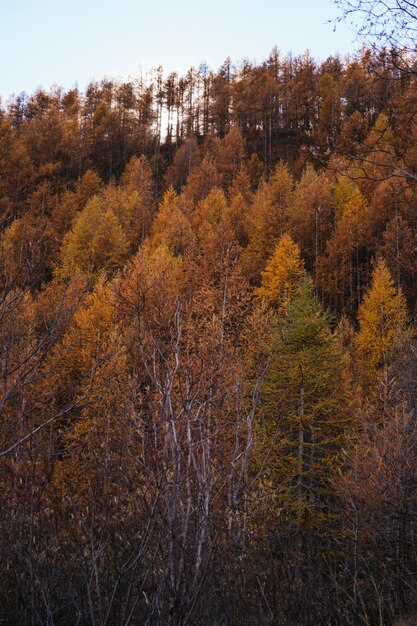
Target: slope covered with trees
[207,347]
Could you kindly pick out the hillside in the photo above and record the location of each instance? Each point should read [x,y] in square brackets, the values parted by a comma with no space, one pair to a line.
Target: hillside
[208,347]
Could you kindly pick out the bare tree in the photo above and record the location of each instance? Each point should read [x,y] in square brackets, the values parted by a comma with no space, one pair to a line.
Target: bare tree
[387,22]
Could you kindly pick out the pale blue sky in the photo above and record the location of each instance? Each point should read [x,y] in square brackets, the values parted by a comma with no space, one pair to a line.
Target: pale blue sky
[68,42]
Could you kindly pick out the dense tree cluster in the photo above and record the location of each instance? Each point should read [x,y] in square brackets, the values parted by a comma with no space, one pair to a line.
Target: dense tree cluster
[207,352]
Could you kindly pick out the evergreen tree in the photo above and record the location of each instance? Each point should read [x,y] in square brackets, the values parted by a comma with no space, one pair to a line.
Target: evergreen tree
[302,424]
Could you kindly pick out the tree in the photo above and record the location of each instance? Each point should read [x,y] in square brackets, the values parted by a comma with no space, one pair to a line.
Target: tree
[221,97]
[283,274]
[70,202]
[267,219]
[341,271]
[378,499]
[399,250]
[93,359]
[186,157]
[209,213]
[390,26]
[202,178]
[138,183]
[96,242]
[311,218]
[171,227]
[228,155]
[195,428]
[302,424]
[382,316]
[392,22]
[17,169]
[329,115]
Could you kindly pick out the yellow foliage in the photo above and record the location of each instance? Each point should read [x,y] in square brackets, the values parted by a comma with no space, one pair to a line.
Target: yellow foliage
[382,316]
[382,135]
[86,342]
[350,204]
[267,220]
[283,274]
[96,242]
[133,211]
[94,355]
[210,212]
[151,285]
[137,184]
[201,180]
[171,227]
[108,245]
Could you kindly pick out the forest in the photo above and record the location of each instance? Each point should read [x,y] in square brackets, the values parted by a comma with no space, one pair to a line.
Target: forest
[208,350]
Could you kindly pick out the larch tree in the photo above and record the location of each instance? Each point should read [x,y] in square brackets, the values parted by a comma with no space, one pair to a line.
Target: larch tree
[311,218]
[382,317]
[93,357]
[399,250]
[70,202]
[340,270]
[282,275]
[302,423]
[96,242]
[209,213]
[171,227]
[137,181]
[202,178]
[186,157]
[267,220]
[378,502]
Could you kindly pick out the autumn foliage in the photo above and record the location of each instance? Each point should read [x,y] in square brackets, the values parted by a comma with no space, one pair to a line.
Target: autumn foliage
[207,348]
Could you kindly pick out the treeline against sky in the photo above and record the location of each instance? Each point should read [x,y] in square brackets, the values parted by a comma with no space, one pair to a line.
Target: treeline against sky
[207,347]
